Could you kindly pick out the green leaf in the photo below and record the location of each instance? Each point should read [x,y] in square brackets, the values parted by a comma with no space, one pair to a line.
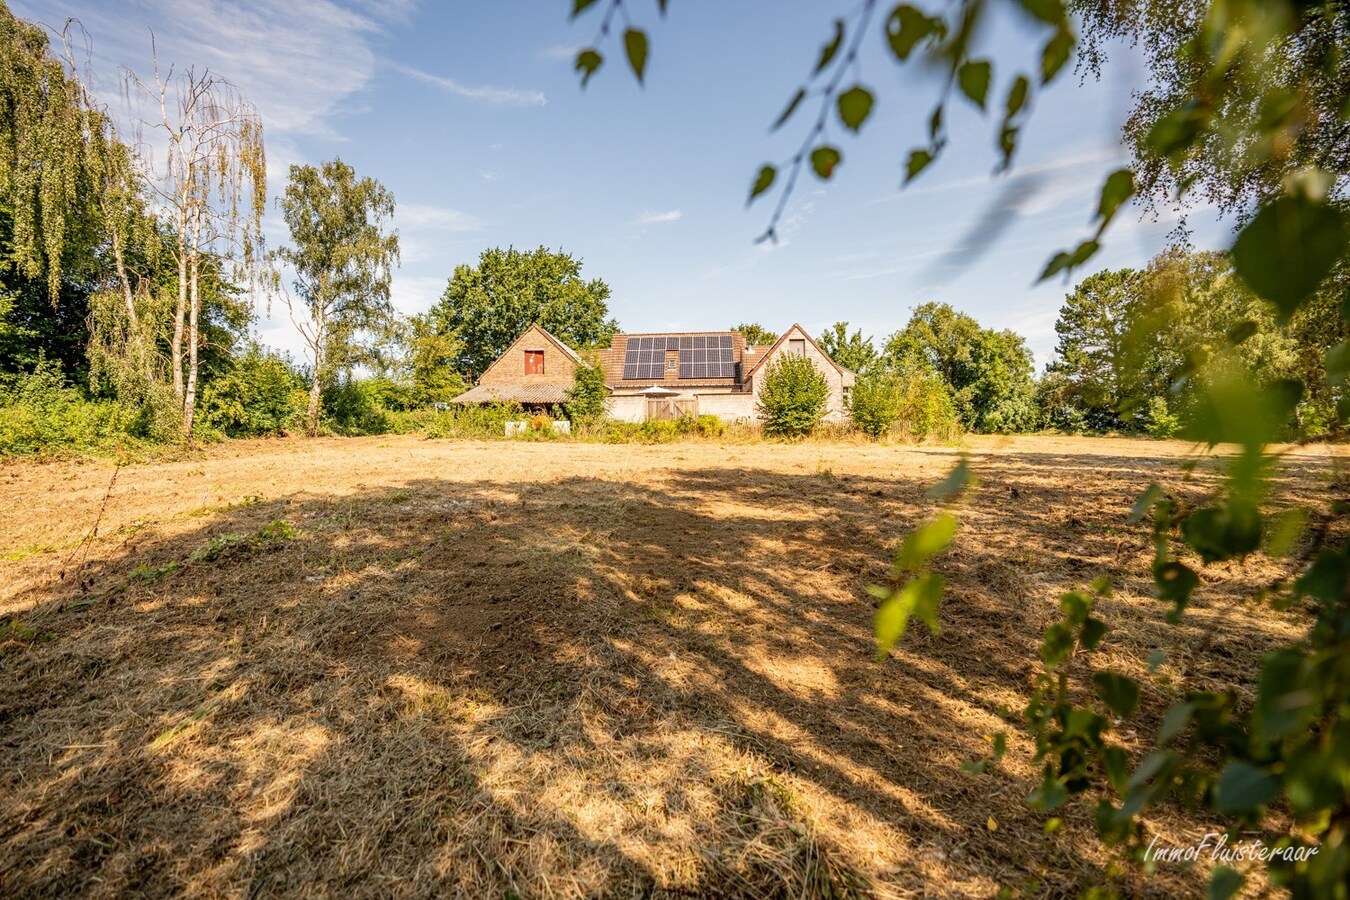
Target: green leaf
[824,160]
[855,105]
[1144,502]
[1057,644]
[1286,251]
[1175,721]
[1119,187]
[1075,605]
[956,481]
[1155,659]
[1120,694]
[1065,262]
[926,542]
[918,161]
[1051,12]
[1050,794]
[635,45]
[1116,763]
[588,61]
[1224,882]
[1017,96]
[763,180]
[907,26]
[973,78]
[580,6]
[1094,630]
[919,598]
[1243,787]
[791,108]
[1219,533]
[1056,54]
[831,48]
[1175,581]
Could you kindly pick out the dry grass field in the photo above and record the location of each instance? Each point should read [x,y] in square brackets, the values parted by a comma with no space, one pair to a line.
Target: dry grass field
[394,666]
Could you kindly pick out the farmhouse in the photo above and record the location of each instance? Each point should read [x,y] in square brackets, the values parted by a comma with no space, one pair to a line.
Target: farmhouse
[657,376]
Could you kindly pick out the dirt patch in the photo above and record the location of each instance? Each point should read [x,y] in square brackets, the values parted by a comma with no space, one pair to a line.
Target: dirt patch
[398,666]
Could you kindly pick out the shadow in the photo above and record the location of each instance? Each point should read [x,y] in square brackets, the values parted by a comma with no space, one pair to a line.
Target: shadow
[575,687]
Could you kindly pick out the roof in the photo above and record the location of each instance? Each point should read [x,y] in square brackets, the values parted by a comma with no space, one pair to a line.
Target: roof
[536,327]
[525,394]
[611,360]
[750,370]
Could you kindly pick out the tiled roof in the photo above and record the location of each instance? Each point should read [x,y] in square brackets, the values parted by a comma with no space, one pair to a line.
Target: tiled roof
[511,393]
[611,360]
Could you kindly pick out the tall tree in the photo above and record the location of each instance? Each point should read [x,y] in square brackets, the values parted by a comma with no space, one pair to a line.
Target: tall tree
[489,305]
[755,334]
[211,179]
[1092,354]
[342,257]
[989,372]
[852,351]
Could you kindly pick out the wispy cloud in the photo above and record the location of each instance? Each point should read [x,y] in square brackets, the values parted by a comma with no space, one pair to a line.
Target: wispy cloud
[489,175]
[439,218]
[561,52]
[647,217]
[484,93]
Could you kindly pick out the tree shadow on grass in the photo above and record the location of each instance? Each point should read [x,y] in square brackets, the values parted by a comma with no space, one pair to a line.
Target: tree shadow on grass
[579,687]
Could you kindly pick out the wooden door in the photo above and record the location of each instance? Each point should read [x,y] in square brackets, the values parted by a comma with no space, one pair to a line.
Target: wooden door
[534,362]
[661,408]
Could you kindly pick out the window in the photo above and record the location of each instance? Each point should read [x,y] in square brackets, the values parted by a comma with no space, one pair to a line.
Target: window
[534,362]
[672,362]
[797,346]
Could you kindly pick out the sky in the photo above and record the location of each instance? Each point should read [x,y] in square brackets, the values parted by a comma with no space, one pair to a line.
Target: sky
[472,116]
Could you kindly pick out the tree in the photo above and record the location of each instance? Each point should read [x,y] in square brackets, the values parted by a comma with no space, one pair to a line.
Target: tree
[755,335]
[342,259]
[489,305]
[1093,325]
[212,181]
[432,358]
[916,404]
[793,398]
[988,372]
[852,351]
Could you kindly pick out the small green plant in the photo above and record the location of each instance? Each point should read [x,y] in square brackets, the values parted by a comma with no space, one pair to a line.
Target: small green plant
[586,399]
[792,401]
[1161,422]
[144,572]
[270,535]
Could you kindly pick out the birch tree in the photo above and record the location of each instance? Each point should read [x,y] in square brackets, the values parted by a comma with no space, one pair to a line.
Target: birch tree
[204,163]
[342,259]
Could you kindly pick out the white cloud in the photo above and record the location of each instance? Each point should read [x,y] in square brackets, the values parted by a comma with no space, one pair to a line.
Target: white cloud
[412,294]
[647,217]
[485,93]
[297,61]
[489,175]
[561,52]
[439,218]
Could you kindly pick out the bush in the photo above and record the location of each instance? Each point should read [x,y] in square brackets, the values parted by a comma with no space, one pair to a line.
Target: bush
[1162,423]
[261,394]
[460,421]
[586,399]
[793,399]
[915,406]
[357,406]
[39,413]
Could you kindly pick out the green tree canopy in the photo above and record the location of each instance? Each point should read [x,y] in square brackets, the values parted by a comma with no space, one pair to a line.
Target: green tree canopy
[852,351]
[489,305]
[755,334]
[1092,358]
[342,258]
[793,400]
[989,372]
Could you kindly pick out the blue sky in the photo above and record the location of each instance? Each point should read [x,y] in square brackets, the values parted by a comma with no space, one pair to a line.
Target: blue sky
[470,113]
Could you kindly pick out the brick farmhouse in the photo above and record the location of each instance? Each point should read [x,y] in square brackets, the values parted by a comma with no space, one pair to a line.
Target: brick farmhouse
[656,376]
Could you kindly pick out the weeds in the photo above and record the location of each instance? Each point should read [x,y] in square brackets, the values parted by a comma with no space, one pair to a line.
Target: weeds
[221,546]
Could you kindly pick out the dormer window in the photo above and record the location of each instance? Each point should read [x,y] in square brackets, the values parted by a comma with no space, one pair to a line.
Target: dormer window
[797,346]
[534,362]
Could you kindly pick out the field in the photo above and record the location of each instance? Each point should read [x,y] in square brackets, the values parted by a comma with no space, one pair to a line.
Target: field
[397,666]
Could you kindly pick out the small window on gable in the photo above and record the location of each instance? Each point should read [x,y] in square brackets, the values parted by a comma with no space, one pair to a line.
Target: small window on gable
[534,362]
[797,346]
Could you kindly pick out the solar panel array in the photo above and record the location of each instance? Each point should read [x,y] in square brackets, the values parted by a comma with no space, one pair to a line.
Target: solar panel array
[701,356]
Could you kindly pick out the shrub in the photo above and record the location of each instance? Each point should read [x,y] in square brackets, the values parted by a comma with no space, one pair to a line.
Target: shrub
[356,406]
[914,405]
[39,413]
[1162,423]
[261,394]
[461,421]
[586,399]
[793,399]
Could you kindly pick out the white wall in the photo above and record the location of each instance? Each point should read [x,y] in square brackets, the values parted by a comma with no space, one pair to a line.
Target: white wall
[628,408]
[835,410]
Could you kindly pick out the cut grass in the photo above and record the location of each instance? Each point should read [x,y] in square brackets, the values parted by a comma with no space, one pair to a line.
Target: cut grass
[572,670]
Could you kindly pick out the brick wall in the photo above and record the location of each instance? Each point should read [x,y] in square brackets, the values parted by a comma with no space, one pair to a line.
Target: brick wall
[509,368]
